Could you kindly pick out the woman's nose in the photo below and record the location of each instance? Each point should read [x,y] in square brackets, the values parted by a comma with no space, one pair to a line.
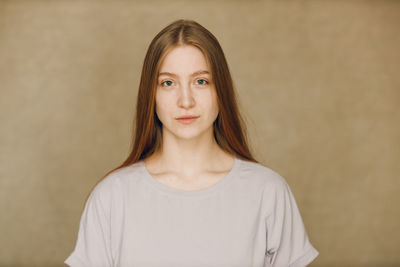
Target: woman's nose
[186,98]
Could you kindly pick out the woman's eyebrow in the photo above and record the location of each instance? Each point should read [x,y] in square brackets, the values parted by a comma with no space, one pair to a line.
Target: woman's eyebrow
[193,74]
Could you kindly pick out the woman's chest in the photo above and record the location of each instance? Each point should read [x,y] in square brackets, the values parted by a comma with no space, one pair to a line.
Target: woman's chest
[192,232]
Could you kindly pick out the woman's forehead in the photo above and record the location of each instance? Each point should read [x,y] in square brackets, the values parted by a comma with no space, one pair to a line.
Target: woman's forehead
[184,59]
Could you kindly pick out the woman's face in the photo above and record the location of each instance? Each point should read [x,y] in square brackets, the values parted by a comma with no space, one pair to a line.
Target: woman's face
[185,88]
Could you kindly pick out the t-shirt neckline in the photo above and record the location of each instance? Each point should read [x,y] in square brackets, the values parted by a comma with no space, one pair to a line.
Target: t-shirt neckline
[200,192]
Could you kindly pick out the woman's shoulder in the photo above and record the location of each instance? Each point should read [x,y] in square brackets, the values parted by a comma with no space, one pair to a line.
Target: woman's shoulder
[119,178]
[262,173]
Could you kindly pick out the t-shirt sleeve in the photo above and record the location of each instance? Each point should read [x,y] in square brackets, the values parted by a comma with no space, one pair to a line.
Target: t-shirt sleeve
[93,244]
[287,239]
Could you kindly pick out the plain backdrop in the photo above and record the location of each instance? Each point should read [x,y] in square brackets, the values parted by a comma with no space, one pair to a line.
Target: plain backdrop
[318,83]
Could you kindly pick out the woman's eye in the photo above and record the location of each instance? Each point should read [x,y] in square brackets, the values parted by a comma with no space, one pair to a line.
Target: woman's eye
[169,83]
[202,81]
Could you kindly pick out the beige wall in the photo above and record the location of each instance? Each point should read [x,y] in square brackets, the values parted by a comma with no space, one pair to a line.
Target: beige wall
[317,80]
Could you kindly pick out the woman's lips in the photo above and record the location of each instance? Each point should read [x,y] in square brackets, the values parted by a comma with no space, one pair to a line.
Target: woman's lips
[187,120]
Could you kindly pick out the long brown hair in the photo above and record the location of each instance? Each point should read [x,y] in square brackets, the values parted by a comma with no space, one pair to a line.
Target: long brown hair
[229,127]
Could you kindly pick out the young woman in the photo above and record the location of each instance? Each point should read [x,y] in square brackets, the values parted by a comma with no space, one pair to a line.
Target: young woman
[190,193]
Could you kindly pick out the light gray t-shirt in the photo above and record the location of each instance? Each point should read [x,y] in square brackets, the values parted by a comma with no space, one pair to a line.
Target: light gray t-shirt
[249,218]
